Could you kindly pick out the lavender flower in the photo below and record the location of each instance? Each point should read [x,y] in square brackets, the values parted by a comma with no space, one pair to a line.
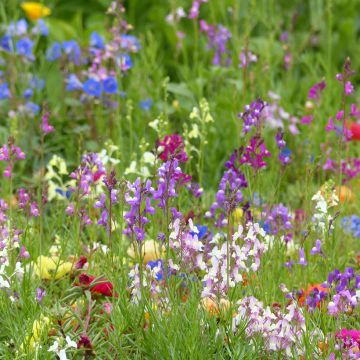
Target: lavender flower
[251,116]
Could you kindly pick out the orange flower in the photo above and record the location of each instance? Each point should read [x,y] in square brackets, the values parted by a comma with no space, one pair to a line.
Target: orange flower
[35,10]
[345,194]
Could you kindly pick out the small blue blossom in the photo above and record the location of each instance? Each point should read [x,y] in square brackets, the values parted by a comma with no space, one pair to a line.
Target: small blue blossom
[129,43]
[146,104]
[72,50]
[351,224]
[92,87]
[124,62]
[40,28]
[6,43]
[32,108]
[24,47]
[17,29]
[4,91]
[28,93]
[36,83]
[110,85]
[53,52]
[73,83]
[96,41]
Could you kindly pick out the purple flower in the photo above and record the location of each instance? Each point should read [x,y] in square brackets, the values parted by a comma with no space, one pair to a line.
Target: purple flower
[40,293]
[45,126]
[302,260]
[254,154]
[218,37]
[251,116]
[349,88]
[316,90]
[317,248]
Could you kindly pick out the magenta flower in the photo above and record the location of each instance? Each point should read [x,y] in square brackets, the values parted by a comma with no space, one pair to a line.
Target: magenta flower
[173,146]
[316,90]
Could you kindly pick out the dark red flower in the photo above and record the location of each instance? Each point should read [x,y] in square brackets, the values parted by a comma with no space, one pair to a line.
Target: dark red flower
[173,146]
[101,287]
[81,262]
[84,342]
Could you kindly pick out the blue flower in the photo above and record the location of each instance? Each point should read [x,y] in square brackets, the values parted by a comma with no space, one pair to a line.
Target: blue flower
[124,62]
[157,264]
[4,91]
[92,87]
[96,41]
[53,52]
[28,93]
[146,104]
[202,230]
[72,50]
[40,28]
[32,108]
[73,83]
[6,43]
[63,193]
[19,28]
[24,47]
[110,85]
[36,83]
[130,43]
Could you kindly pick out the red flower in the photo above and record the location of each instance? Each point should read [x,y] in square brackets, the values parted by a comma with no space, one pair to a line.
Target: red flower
[355,131]
[102,286]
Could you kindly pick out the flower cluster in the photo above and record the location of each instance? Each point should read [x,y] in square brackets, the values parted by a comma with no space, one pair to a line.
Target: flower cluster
[251,116]
[281,331]
[218,38]
[10,154]
[351,224]
[345,285]
[230,260]
[229,194]
[138,197]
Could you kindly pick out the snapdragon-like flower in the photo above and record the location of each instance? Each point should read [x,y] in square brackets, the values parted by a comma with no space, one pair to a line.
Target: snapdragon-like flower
[254,154]
[169,177]
[246,57]
[316,91]
[281,331]
[30,207]
[45,126]
[172,146]
[218,37]
[345,285]
[138,197]
[10,154]
[195,8]
[251,116]
[245,251]
[229,195]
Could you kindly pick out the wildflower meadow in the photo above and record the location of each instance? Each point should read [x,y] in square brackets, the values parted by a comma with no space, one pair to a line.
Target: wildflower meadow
[180,179]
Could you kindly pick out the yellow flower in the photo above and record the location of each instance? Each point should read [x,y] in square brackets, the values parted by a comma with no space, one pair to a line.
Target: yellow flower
[237,215]
[151,251]
[38,328]
[48,268]
[35,10]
